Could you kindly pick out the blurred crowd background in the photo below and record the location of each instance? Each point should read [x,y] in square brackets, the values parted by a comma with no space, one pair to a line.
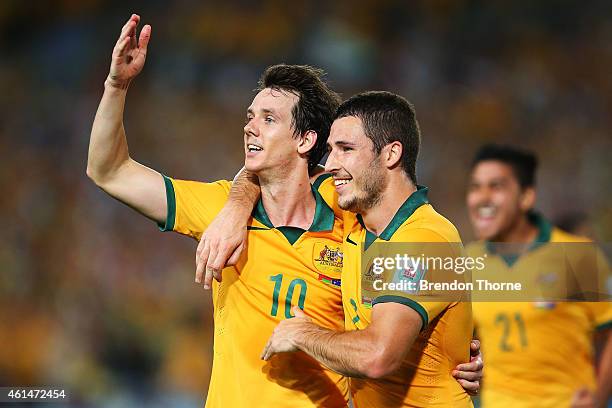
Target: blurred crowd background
[94,299]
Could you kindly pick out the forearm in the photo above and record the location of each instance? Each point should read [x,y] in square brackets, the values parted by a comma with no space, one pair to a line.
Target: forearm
[244,193]
[108,148]
[349,353]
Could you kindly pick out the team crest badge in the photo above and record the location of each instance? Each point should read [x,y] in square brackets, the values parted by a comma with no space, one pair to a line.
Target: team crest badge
[328,258]
[369,276]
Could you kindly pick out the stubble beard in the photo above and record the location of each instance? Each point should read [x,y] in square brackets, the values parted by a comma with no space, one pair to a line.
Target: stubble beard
[371,185]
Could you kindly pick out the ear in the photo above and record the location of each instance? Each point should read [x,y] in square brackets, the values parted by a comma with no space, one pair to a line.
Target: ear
[528,199]
[392,153]
[307,142]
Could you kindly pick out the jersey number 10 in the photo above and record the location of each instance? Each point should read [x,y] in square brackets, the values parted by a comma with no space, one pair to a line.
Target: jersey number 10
[278,280]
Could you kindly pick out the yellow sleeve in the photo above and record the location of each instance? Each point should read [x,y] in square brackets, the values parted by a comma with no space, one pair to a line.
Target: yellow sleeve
[192,205]
[428,309]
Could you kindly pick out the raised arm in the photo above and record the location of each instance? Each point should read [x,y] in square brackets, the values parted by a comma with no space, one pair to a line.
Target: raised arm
[109,164]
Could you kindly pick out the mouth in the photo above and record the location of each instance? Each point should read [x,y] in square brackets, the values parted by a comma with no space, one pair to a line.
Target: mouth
[486,212]
[484,217]
[252,148]
[341,183]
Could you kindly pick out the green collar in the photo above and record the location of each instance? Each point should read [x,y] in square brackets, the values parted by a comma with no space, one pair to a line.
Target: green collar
[323,219]
[544,227]
[544,234]
[414,201]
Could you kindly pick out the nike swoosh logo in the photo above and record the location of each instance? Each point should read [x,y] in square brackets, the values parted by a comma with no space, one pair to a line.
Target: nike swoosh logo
[349,240]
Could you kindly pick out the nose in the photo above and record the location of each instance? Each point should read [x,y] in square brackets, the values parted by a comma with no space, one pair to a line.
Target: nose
[250,129]
[331,164]
[478,196]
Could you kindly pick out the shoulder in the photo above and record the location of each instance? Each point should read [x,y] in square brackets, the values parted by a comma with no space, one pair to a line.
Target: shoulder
[427,225]
[221,185]
[558,235]
[190,191]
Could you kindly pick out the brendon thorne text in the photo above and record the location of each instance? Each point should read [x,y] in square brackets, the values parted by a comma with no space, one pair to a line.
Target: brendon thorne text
[407,285]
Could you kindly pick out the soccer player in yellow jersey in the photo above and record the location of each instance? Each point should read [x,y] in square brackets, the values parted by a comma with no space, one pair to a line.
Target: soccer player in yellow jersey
[539,354]
[401,352]
[294,238]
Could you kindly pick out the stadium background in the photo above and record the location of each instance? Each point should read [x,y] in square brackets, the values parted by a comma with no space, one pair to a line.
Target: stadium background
[92,297]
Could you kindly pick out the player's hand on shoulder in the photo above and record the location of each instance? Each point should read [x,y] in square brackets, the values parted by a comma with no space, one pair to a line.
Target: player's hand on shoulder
[129,53]
[220,246]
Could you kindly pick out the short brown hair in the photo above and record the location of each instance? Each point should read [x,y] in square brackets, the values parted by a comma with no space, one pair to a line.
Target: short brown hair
[316,105]
[387,118]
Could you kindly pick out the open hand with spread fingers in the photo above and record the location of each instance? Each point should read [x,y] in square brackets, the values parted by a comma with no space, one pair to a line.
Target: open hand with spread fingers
[129,53]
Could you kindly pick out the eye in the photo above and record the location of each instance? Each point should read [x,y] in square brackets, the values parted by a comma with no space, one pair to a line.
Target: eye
[346,148]
[269,119]
[497,186]
[248,119]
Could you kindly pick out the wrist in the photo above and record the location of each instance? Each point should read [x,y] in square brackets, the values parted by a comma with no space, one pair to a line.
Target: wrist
[237,211]
[298,337]
[116,84]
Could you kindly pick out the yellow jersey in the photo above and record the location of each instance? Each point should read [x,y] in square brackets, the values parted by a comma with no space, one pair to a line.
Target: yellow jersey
[280,268]
[424,379]
[538,354]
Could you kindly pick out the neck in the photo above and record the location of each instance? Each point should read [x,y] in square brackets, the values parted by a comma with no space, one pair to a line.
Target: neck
[287,197]
[521,232]
[399,188]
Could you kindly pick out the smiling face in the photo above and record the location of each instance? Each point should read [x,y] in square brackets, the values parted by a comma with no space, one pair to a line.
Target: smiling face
[269,141]
[359,175]
[495,199]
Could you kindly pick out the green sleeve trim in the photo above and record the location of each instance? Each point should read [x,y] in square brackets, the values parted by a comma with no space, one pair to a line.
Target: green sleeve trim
[171,201]
[406,302]
[317,183]
[604,326]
